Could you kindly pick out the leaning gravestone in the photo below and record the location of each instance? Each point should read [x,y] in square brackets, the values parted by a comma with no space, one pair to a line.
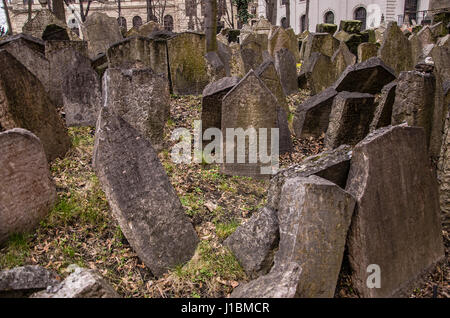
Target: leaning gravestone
[287,70]
[268,74]
[43,18]
[100,31]
[81,92]
[318,72]
[396,224]
[323,43]
[249,106]
[419,41]
[141,97]
[384,103]
[31,109]
[187,65]
[27,193]
[395,50]
[341,59]
[350,118]
[252,48]
[140,195]
[366,77]
[312,117]
[366,51]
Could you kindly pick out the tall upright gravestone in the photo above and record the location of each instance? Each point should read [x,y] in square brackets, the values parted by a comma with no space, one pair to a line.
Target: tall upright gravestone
[396,50]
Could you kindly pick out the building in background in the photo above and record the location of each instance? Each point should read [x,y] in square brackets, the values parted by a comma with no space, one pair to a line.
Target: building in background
[370,12]
[174,15]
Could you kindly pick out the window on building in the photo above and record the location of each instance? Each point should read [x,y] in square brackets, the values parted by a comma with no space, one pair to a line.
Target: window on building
[26,1]
[329,17]
[168,22]
[137,21]
[361,15]
[303,23]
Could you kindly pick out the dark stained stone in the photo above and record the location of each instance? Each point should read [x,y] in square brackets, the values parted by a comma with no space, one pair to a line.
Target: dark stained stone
[323,43]
[215,66]
[24,103]
[396,224]
[350,118]
[366,77]
[366,51]
[268,74]
[384,104]
[350,26]
[341,59]
[53,32]
[140,195]
[319,72]
[312,117]
[287,70]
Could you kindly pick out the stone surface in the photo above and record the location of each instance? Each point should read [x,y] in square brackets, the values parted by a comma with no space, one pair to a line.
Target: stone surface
[188,71]
[252,48]
[395,49]
[254,242]
[287,70]
[82,283]
[383,110]
[141,97]
[443,170]
[350,26]
[314,216]
[250,104]
[283,38]
[24,280]
[100,31]
[332,165]
[366,77]
[396,224]
[350,118]
[268,74]
[323,43]
[147,29]
[419,41]
[37,25]
[366,51]
[312,117]
[81,92]
[212,101]
[319,72]
[30,109]
[27,193]
[341,59]
[414,101]
[326,28]
[215,66]
[140,195]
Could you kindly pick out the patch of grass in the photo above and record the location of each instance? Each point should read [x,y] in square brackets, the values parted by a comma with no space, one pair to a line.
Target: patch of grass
[193,203]
[223,230]
[16,251]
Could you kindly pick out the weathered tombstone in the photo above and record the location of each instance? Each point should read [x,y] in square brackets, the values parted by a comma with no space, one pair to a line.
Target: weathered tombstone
[43,18]
[187,65]
[440,54]
[146,29]
[350,118]
[283,38]
[254,242]
[100,31]
[140,195]
[141,97]
[252,48]
[318,72]
[268,74]
[138,52]
[419,41]
[250,106]
[212,101]
[312,117]
[326,28]
[30,109]
[323,43]
[414,100]
[54,32]
[395,50]
[383,110]
[332,165]
[350,26]
[366,51]
[81,92]
[287,71]
[237,67]
[366,77]
[443,170]
[30,52]
[396,226]
[215,67]
[27,193]
[341,59]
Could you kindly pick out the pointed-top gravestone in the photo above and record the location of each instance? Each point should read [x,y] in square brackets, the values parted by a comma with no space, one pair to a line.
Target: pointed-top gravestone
[252,48]
[366,77]
[140,195]
[287,70]
[384,103]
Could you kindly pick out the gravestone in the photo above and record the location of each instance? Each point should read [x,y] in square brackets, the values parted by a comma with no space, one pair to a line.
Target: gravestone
[395,49]
[443,170]
[366,77]
[287,70]
[350,118]
[350,26]
[100,31]
[55,32]
[81,92]
[341,59]
[318,72]
[140,195]
[283,38]
[366,51]
[419,41]
[141,97]
[146,29]
[43,18]
[396,224]
[384,104]
[188,71]
[30,109]
[268,74]
[27,193]
[250,106]
[215,67]
[252,48]
[312,117]
[323,43]
[326,28]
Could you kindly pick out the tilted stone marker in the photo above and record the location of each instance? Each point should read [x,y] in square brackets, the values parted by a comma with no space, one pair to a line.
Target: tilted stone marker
[268,74]
[384,104]
[323,43]
[252,48]
[25,280]
[312,117]
[140,195]
[341,59]
[419,41]
[27,193]
[396,223]
[319,72]
[287,70]
[366,51]
[141,97]
[30,109]
[81,92]
[350,118]
[366,77]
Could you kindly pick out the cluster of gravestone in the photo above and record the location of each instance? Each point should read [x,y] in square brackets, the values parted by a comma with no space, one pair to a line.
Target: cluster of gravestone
[373,191]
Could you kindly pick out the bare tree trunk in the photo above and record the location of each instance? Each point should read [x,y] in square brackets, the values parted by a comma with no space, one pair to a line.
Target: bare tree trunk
[271,11]
[30,4]
[59,10]
[211,25]
[307,15]
[149,10]
[8,20]
[288,14]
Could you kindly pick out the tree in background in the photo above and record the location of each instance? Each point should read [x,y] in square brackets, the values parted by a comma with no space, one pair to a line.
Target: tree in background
[211,25]
[307,14]
[271,11]
[8,20]
[242,10]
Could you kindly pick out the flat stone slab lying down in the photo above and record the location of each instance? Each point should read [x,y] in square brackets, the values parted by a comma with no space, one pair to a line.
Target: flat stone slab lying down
[140,195]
